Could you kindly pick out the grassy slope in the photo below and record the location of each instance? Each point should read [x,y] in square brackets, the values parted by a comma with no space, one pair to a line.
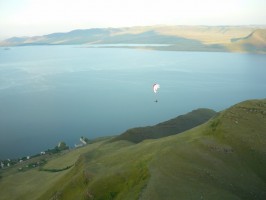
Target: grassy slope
[170,127]
[221,159]
[32,183]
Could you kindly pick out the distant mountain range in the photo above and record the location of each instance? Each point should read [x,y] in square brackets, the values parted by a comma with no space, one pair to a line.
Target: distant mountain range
[223,158]
[176,38]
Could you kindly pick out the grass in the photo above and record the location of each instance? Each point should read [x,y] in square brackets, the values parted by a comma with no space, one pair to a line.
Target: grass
[221,159]
[33,183]
[27,185]
[56,170]
[107,168]
[170,127]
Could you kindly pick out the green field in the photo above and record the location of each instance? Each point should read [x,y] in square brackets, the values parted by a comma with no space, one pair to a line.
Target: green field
[224,158]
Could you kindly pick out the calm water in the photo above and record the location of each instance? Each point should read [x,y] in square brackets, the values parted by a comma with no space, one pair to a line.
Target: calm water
[53,93]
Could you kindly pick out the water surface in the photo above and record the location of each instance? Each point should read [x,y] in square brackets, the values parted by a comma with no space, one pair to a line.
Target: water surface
[53,93]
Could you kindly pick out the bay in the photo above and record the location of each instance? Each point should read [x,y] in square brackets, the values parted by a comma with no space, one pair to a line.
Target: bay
[59,93]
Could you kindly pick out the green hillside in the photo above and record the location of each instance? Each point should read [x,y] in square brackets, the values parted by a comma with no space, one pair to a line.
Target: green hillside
[224,158]
[170,127]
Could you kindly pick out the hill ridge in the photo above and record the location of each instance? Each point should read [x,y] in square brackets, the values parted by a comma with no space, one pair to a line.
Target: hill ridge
[224,158]
[170,127]
[179,38]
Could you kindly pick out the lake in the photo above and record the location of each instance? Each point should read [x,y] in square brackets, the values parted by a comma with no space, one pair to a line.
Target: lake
[59,93]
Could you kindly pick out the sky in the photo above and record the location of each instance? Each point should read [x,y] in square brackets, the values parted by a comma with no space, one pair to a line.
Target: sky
[40,17]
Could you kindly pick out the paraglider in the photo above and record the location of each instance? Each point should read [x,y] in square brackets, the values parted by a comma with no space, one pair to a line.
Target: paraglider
[155,88]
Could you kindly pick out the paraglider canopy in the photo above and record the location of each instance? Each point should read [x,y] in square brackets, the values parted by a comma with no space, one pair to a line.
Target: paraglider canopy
[155,87]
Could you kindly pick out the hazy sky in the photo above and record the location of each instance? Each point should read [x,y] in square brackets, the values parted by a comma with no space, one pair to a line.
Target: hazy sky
[38,17]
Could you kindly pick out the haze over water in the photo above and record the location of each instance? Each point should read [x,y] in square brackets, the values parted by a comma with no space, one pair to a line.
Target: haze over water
[54,93]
